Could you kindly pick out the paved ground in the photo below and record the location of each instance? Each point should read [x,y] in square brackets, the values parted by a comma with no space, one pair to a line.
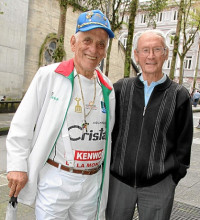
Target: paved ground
[5,119]
[187,197]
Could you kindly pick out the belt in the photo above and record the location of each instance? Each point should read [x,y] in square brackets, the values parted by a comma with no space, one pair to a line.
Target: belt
[72,170]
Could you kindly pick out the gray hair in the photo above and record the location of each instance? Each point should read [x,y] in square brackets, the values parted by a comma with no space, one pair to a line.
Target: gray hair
[76,35]
[154,31]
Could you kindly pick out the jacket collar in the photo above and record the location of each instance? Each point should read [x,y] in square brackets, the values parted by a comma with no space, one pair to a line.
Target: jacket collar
[161,86]
[66,68]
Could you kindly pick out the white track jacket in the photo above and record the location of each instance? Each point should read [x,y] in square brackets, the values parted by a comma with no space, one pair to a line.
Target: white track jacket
[38,122]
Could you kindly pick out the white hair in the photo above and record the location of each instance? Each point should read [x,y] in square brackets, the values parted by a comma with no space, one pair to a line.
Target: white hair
[154,31]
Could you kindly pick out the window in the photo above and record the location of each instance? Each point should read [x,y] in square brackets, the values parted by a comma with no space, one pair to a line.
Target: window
[194,10]
[124,41]
[171,38]
[168,64]
[47,50]
[143,19]
[188,62]
[127,19]
[190,34]
[159,17]
[48,54]
[175,15]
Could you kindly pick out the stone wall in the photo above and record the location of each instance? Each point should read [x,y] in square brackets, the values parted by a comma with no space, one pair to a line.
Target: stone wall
[13,25]
[43,18]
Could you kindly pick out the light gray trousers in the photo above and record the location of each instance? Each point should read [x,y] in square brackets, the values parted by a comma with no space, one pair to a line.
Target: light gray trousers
[153,202]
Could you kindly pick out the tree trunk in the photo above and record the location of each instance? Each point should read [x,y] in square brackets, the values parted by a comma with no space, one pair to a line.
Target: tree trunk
[196,69]
[108,57]
[62,20]
[59,52]
[176,40]
[181,70]
[128,52]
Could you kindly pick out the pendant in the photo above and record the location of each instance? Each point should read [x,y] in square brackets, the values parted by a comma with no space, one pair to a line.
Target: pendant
[84,125]
[78,108]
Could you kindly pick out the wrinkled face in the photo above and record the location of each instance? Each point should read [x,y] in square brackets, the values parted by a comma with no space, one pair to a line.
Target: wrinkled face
[89,49]
[151,53]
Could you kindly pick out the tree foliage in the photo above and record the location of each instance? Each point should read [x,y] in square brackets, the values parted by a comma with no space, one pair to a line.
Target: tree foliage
[59,52]
[190,27]
[63,3]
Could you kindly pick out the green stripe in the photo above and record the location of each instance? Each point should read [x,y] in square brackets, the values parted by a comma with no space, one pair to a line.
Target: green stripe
[71,78]
[106,93]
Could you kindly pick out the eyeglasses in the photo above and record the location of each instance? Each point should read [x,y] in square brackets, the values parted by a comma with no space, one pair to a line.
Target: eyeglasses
[157,51]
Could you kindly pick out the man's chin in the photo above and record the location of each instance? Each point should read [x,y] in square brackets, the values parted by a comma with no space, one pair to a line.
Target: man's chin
[91,66]
[150,70]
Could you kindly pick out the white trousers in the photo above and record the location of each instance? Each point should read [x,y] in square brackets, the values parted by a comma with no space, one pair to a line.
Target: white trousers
[67,196]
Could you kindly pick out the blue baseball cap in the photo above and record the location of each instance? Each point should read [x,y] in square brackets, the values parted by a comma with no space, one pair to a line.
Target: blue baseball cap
[93,19]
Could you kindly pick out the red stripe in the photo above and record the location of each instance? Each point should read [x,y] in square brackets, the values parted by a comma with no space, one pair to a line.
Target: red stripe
[103,81]
[65,68]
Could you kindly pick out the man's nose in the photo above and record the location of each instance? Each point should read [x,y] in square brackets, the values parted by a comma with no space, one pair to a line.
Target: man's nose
[93,48]
[151,53]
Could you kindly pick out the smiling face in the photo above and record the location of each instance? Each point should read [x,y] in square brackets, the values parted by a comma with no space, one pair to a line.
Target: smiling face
[89,49]
[152,63]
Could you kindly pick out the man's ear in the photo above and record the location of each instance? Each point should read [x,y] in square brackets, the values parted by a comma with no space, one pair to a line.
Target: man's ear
[73,43]
[167,54]
[136,55]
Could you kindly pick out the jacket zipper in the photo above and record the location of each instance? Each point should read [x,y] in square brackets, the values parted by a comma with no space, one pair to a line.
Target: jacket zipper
[144,110]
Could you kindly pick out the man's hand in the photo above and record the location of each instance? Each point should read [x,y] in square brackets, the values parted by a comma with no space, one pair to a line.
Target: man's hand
[16,181]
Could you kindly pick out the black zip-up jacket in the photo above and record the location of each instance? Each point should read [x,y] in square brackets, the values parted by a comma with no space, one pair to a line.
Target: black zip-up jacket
[150,143]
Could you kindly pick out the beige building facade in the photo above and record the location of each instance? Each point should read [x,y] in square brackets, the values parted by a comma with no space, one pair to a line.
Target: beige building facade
[13,26]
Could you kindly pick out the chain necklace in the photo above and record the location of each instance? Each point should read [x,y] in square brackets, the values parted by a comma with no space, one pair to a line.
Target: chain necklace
[85,124]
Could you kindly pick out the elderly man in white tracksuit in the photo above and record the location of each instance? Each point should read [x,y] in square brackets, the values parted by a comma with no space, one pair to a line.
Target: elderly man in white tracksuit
[58,146]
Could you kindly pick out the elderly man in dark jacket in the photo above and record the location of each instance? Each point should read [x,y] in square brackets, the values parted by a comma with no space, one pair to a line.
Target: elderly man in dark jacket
[152,137]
